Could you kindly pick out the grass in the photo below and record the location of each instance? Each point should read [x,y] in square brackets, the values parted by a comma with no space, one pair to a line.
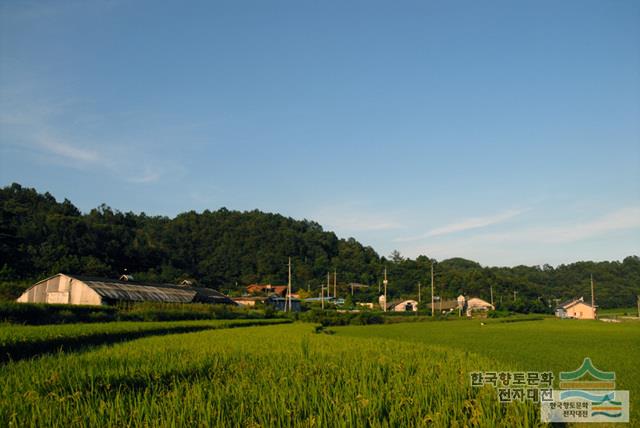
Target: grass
[268,376]
[408,374]
[609,312]
[546,344]
[17,342]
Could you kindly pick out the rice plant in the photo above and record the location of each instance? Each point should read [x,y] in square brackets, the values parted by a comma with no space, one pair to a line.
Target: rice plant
[17,342]
[258,376]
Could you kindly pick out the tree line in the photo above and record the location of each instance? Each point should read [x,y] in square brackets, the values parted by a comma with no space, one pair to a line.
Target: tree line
[227,250]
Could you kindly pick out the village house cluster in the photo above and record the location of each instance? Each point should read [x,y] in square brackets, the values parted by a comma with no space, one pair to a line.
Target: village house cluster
[82,290]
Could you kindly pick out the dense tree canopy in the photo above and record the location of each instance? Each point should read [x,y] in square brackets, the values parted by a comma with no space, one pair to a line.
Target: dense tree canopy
[229,249]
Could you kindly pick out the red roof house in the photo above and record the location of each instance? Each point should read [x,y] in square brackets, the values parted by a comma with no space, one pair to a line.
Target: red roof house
[280,290]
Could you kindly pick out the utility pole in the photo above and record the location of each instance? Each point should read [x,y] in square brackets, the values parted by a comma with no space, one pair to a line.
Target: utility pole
[335,283]
[385,282]
[322,291]
[593,299]
[288,302]
[328,286]
[433,302]
[419,297]
[491,291]
[514,295]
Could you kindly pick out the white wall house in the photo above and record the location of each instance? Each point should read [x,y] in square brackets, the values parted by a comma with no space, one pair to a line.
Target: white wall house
[577,309]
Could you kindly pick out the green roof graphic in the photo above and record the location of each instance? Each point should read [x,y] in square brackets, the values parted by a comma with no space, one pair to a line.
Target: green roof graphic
[587,367]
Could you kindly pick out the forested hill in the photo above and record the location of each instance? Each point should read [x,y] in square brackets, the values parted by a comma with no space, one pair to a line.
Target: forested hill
[227,249]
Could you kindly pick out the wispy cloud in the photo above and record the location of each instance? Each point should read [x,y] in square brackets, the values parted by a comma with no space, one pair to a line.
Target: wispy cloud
[466,224]
[621,219]
[364,223]
[149,174]
[120,161]
[474,223]
[559,243]
[354,217]
[66,150]
[60,131]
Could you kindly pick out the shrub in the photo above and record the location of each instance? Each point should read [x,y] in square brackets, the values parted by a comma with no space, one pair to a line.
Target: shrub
[40,313]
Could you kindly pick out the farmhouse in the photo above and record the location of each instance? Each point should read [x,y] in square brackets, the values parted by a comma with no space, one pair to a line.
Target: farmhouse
[250,300]
[338,301]
[403,306]
[367,305]
[477,305]
[275,301]
[470,306]
[444,306]
[280,303]
[280,290]
[80,290]
[576,308]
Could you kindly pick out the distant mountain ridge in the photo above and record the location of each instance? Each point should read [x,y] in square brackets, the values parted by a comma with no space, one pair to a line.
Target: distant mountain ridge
[227,249]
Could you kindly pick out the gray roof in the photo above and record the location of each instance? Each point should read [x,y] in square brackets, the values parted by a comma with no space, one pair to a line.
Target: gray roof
[445,304]
[279,299]
[567,304]
[319,299]
[397,302]
[139,292]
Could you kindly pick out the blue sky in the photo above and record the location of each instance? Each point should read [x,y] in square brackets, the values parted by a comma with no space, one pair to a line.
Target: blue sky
[504,132]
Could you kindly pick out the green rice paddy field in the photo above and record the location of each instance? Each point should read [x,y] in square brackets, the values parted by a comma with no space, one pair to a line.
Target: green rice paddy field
[407,374]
